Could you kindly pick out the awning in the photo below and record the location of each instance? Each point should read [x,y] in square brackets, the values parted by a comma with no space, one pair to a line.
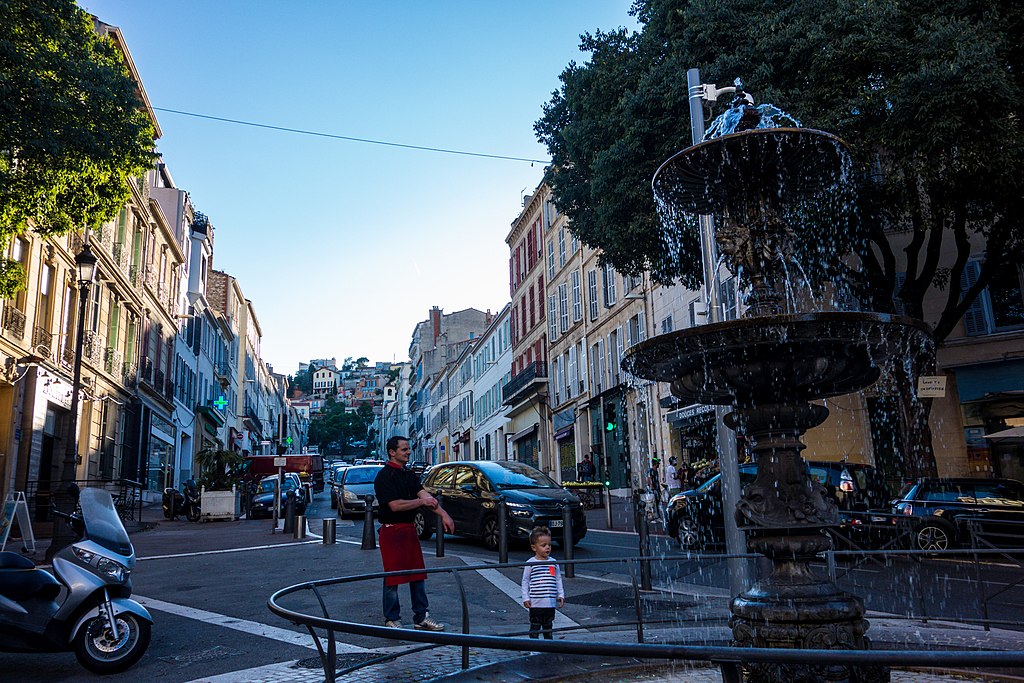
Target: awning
[691,416]
[523,433]
[976,381]
[563,433]
[211,414]
[1011,435]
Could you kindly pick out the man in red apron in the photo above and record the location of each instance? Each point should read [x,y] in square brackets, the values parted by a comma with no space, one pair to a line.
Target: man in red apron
[400,495]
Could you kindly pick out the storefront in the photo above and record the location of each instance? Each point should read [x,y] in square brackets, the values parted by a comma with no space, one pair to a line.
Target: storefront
[992,404]
[160,454]
[565,443]
[694,435]
[526,446]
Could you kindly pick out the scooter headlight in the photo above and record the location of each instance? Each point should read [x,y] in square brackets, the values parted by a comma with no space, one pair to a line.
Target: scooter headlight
[83,555]
[118,572]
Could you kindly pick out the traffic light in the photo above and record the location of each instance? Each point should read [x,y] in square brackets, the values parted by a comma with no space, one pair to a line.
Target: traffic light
[610,420]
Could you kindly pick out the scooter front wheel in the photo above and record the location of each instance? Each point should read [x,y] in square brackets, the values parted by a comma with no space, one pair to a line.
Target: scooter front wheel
[194,513]
[100,652]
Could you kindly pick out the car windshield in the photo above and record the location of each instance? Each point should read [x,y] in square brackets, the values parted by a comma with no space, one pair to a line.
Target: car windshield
[267,485]
[514,475]
[361,475]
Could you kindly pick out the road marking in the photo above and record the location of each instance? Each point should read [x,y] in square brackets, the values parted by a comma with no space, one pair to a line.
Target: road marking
[251,627]
[224,551]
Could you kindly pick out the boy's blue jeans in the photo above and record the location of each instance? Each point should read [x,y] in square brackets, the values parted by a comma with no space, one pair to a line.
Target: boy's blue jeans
[393,611]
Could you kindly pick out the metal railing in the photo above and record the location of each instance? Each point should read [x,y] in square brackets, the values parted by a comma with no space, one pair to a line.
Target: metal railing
[13,320]
[729,659]
[533,371]
[127,495]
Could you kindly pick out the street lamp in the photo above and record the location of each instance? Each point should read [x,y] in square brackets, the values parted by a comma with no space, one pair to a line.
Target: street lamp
[85,261]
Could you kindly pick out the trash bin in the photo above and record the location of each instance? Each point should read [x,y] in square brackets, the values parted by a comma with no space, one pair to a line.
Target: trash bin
[300,526]
[330,531]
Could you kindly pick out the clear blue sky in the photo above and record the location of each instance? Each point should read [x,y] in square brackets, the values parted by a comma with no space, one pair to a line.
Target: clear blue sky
[344,246]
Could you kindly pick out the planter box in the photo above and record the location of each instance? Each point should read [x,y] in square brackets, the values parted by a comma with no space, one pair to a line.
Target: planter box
[219,505]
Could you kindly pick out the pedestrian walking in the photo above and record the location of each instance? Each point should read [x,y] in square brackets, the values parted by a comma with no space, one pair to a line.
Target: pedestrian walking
[400,495]
[672,477]
[585,470]
[542,584]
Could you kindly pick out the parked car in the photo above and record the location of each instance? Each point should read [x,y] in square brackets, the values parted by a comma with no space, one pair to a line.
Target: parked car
[696,518]
[470,491]
[348,490]
[334,477]
[945,510]
[262,504]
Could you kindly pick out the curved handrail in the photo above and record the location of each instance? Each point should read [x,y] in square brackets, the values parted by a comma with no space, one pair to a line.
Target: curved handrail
[725,656]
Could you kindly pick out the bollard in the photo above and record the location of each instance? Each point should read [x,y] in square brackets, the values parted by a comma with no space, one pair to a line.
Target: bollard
[330,531]
[607,507]
[369,534]
[644,538]
[289,513]
[300,527]
[439,532]
[502,531]
[567,541]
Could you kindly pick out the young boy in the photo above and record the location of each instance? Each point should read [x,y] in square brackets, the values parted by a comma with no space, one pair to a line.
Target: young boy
[542,585]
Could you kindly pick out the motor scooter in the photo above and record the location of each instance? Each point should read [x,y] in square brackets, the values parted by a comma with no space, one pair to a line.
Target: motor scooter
[95,618]
[185,502]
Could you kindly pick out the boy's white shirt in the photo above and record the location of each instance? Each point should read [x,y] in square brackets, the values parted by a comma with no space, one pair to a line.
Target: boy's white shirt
[541,602]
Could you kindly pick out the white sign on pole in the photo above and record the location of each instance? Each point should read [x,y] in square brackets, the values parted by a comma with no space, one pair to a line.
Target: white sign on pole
[931,386]
[280,462]
[16,509]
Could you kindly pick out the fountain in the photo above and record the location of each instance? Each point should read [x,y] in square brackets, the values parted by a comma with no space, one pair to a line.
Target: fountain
[759,172]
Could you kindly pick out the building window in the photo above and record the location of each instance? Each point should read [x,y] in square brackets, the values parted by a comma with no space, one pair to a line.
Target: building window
[577,297]
[592,293]
[563,306]
[552,318]
[609,286]
[561,247]
[997,308]
[666,325]
[551,260]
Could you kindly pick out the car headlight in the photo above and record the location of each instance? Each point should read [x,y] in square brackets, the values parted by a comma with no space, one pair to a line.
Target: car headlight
[114,570]
[350,496]
[519,510]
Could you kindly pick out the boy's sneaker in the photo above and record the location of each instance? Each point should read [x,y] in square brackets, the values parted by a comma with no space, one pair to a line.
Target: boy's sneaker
[428,624]
[392,623]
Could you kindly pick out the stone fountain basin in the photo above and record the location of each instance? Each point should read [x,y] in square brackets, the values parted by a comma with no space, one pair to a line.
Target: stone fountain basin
[777,359]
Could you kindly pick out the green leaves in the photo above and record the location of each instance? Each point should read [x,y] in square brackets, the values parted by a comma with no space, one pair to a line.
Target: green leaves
[72,129]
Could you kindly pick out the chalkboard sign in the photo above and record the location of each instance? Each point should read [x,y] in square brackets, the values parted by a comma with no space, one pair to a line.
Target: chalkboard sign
[15,509]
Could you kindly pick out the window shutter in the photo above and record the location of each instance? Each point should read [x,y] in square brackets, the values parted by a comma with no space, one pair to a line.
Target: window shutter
[583,365]
[642,325]
[977,318]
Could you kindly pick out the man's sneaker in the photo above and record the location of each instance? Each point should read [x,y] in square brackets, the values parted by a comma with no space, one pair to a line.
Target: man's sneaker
[392,623]
[429,624]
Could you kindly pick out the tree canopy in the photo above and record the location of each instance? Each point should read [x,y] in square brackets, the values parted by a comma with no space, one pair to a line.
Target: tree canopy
[927,94]
[72,129]
[336,429]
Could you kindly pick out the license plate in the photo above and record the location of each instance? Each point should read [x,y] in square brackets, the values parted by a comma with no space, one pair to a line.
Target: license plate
[556,524]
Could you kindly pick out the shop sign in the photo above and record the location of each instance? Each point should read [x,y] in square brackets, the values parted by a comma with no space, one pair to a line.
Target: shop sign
[931,386]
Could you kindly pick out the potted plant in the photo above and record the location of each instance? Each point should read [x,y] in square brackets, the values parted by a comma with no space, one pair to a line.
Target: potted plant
[220,473]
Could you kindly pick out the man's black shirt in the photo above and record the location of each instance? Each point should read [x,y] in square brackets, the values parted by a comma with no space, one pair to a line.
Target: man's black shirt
[393,483]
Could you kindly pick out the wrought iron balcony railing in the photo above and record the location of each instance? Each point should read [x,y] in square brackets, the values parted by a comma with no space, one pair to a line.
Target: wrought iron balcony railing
[14,321]
[526,378]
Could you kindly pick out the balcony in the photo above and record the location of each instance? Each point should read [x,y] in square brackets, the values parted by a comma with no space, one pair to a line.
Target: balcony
[533,373]
[42,338]
[129,371]
[92,348]
[14,321]
[112,362]
[222,371]
[146,370]
[137,274]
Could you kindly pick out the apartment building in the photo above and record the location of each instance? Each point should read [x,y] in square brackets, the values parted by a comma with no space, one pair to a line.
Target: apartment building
[526,394]
[492,370]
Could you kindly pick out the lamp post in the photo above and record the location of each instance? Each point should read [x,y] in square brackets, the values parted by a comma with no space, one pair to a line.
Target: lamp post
[85,261]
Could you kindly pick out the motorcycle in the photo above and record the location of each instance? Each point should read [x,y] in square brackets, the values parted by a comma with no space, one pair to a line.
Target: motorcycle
[96,618]
[175,502]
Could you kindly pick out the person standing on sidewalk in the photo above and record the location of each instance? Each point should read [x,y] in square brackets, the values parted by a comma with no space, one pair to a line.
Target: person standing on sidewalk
[542,585]
[399,495]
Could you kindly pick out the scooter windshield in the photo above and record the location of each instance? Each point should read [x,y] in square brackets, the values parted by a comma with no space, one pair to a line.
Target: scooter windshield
[102,525]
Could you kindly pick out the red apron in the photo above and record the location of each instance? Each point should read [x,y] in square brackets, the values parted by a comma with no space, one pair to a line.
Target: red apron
[400,550]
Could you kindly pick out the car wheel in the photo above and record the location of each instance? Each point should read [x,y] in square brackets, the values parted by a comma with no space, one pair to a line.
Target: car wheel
[933,537]
[422,526]
[334,501]
[688,534]
[489,534]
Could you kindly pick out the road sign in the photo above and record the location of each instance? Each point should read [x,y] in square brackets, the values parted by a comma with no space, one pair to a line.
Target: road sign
[280,462]
[265,442]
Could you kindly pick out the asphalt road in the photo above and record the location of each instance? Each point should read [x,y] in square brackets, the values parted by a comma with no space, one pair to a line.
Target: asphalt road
[207,586]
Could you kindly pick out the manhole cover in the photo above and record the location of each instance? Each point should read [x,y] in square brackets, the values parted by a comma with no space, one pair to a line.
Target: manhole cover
[340,661]
[210,654]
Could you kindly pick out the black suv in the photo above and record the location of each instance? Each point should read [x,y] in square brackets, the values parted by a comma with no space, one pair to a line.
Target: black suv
[945,510]
[696,519]
[470,491]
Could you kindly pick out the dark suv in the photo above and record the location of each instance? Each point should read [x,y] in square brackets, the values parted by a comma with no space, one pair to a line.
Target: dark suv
[471,489]
[696,519]
[945,510]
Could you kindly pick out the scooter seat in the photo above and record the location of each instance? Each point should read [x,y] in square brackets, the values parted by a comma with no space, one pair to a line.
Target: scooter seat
[20,580]
[9,560]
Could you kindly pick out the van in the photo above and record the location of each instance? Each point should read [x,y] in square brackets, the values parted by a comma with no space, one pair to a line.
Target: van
[309,467]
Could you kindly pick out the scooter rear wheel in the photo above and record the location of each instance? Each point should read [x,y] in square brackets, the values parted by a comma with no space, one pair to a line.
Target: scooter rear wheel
[100,652]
